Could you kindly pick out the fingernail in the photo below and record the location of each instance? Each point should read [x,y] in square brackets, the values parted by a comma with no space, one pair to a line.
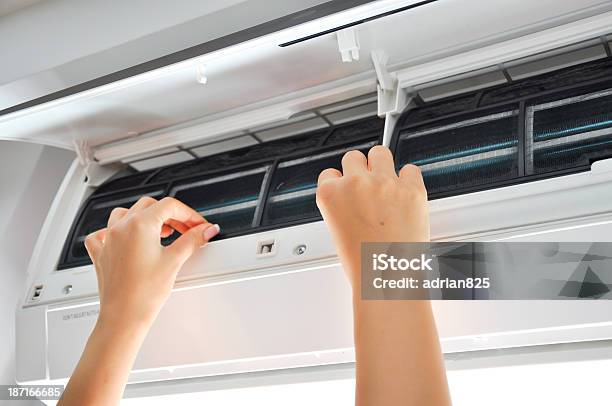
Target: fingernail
[210,232]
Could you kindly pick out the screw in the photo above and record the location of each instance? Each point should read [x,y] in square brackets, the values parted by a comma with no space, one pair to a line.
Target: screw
[300,249]
[67,289]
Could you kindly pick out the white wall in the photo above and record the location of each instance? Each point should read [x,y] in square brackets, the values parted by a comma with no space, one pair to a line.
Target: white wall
[29,177]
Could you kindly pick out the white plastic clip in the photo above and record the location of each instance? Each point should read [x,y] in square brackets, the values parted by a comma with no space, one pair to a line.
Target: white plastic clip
[348,44]
[379,60]
[95,173]
[392,100]
[83,151]
[201,74]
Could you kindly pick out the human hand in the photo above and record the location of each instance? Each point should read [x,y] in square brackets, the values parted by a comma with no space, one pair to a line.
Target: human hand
[368,202]
[135,277]
[396,340]
[135,272]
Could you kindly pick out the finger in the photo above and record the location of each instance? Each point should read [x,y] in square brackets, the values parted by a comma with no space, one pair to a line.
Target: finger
[192,240]
[117,214]
[411,174]
[354,163]
[328,174]
[94,243]
[142,203]
[166,231]
[380,160]
[177,225]
[169,209]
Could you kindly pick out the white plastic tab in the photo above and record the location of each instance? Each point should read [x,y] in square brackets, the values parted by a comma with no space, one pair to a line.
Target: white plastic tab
[300,127]
[201,74]
[380,59]
[95,174]
[348,44]
[605,165]
[83,151]
[554,60]
[223,146]
[397,102]
[163,160]
[468,82]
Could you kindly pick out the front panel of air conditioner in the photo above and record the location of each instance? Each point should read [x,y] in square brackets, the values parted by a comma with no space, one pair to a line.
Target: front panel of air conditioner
[524,159]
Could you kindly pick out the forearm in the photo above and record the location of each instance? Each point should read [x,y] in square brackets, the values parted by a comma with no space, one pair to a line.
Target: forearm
[101,374]
[398,354]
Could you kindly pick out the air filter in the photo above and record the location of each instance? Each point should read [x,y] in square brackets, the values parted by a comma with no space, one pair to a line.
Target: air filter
[254,188]
[464,153]
[230,199]
[569,133]
[292,191]
[94,216]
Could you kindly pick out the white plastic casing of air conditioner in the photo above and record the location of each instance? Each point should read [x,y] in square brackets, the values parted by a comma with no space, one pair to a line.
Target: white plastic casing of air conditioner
[235,311]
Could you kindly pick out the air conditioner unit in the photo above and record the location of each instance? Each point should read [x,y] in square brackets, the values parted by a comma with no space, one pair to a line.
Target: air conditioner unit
[510,121]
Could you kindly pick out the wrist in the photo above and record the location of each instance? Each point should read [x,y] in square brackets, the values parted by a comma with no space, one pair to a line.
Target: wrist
[121,323]
[390,312]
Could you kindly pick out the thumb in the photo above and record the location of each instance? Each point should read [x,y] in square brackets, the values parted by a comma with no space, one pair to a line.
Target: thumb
[193,239]
[94,243]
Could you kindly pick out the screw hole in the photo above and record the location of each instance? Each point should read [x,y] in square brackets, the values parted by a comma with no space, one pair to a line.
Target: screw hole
[300,249]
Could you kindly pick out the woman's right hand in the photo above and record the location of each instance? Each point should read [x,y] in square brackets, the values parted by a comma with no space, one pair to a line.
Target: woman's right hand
[397,349]
[369,202]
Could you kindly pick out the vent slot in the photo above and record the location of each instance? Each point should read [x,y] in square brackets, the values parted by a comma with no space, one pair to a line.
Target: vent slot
[36,293]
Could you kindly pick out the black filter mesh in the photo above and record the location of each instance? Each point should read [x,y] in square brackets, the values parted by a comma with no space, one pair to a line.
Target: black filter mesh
[97,211]
[95,217]
[465,176]
[576,75]
[572,135]
[124,180]
[582,116]
[439,109]
[219,193]
[299,208]
[457,142]
[291,194]
[296,179]
[462,157]
[369,128]
[231,203]
[78,251]
[234,221]
[572,155]
[267,150]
